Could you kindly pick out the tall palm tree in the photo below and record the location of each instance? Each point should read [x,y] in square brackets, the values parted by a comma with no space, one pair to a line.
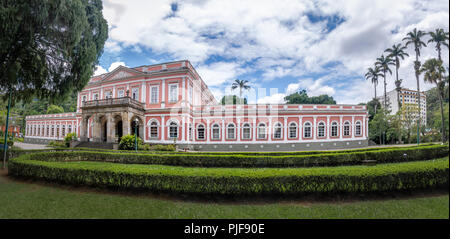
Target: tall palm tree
[373,74]
[397,52]
[415,37]
[242,85]
[384,63]
[434,70]
[440,38]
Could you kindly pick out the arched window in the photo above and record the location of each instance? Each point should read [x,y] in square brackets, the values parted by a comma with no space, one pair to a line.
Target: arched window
[346,128]
[216,131]
[292,130]
[321,129]
[358,128]
[307,130]
[246,131]
[231,131]
[334,129]
[70,129]
[277,131]
[63,130]
[261,131]
[201,132]
[154,130]
[53,130]
[48,130]
[173,130]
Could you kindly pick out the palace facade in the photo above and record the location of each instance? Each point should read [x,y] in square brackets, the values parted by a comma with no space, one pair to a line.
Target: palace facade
[170,104]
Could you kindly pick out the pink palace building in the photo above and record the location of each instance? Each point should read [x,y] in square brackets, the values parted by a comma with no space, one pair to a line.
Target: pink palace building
[169,103]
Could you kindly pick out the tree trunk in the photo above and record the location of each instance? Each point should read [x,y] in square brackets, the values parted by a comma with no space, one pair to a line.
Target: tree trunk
[375,98]
[443,134]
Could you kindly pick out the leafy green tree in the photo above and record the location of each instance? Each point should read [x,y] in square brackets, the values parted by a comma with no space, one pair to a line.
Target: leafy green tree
[242,85]
[433,71]
[54,109]
[49,48]
[301,97]
[232,99]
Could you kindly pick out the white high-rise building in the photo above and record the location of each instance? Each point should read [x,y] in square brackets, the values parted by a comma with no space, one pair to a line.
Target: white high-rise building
[408,101]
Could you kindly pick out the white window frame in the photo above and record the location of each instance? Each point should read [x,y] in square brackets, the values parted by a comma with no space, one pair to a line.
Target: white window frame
[307,126]
[231,126]
[293,125]
[120,93]
[173,94]
[171,125]
[248,127]
[321,129]
[201,126]
[334,126]
[278,127]
[262,126]
[135,91]
[346,128]
[358,123]
[154,124]
[215,127]
[154,99]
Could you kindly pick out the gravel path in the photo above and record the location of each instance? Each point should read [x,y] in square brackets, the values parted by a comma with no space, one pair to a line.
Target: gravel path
[30,146]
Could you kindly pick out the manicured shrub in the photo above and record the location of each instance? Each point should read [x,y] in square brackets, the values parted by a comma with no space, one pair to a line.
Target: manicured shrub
[69,137]
[238,181]
[127,142]
[57,144]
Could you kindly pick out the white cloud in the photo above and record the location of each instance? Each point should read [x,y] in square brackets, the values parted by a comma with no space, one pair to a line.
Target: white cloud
[99,70]
[116,64]
[277,39]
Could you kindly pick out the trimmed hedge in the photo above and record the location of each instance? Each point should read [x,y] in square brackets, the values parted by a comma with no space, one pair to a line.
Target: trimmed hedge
[237,160]
[239,181]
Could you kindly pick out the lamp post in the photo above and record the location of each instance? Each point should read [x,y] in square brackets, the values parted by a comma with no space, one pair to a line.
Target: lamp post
[136,121]
[5,143]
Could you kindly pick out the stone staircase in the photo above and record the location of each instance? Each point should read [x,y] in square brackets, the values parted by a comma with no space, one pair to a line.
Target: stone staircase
[95,145]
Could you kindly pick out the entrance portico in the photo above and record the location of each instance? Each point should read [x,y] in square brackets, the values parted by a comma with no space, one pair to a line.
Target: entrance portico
[111,119]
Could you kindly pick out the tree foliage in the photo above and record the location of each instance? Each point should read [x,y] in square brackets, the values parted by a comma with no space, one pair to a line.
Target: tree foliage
[49,48]
[232,99]
[301,97]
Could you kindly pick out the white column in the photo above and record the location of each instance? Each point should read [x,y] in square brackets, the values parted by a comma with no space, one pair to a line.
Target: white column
[269,129]
[341,127]
[114,92]
[255,128]
[101,93]
[285,129]
[314,129]
[183,127]
[238,128]
[300,128]
[183,91]
[353,127]
[328,127]
[163,128]
[222,131]
[144,93]
[207,133]
[163,100]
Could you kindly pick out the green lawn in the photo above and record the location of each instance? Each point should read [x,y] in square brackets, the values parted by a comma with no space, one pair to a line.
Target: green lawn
[25,200]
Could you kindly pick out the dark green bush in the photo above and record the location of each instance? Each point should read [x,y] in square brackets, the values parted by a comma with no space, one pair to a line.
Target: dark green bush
[127,142]
[238,181]
[69,137]
[237,160]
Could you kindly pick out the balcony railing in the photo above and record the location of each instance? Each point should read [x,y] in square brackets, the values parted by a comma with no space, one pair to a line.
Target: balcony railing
[123,101]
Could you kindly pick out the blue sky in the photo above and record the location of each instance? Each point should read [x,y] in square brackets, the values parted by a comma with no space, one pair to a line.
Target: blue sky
[280,47]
